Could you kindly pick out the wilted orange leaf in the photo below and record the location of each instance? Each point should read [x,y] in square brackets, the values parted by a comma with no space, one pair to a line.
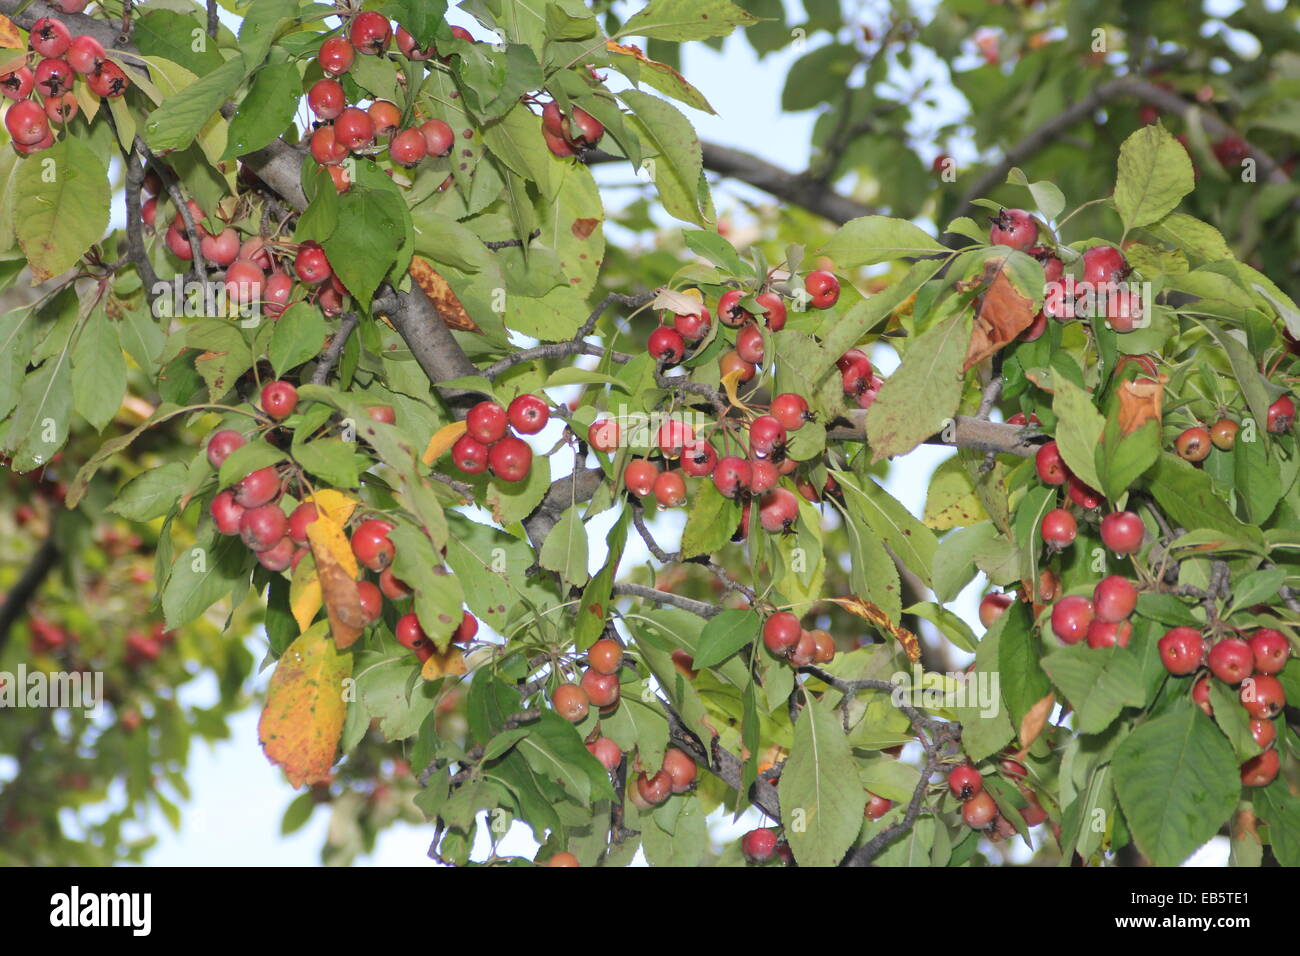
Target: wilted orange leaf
[1139,402]
[305,707]
[1002,314]
[870,612]
[9,38]
[442,441]
[336,568]
[441,295]
[1031,725]
[448,663]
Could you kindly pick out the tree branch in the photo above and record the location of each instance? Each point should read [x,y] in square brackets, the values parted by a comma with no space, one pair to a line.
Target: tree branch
[134,223]
[330,357]
[667,597]
[720,762]
[965,432]
[17,597]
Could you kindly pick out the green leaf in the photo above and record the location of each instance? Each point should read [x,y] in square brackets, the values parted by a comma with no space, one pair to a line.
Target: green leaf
[712,521]
[247,459]
[554,749]
[299,335]
[1047,195]
[724,635]
[1245,367]
[1279,809]
[267,110]
[438,597]
[686,20]
[39,425]
[1122,459]
[369,232]
[61,199]
[678,164]
[178,121]
[565,548]
[1023,682]
[662,77]
[1078,431]
[675,833]
[1178,782]
[913,543]
[259,26]
[1155,173]
[98,371]
[1189,499]
[420,18]
[820,789]
[923,394]
[1098,682]
[872,239]
[948,623]
[332,460]
[493,569]
[203,574]
[984,731]
[150,494]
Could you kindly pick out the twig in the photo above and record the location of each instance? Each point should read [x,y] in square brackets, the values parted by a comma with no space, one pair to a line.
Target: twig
[631,301]
[556,350]
[510,243]
[212,19]
[720,762]
[135,174]
[665,597]
[330,357]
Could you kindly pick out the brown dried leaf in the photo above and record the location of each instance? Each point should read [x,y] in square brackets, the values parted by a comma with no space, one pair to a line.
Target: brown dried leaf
[1139,402]
[441,295]
[880,620]
[1002,313]
[336,567]
[1033,722]
[303,719]
[9,36]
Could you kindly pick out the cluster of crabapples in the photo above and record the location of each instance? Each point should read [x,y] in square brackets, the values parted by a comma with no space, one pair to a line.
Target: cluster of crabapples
[754,471]
[980,811]
[261,272]
[1250,664]
[253,508]
[42,86]
[1194,444]
[1100,291]
[487,443]
[599,687]
[344,129]
[790,641]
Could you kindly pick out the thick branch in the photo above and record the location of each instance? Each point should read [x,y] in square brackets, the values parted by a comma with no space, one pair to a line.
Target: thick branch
[25,588]
[134,224]
[1075,113]
[965,432]
[797,189]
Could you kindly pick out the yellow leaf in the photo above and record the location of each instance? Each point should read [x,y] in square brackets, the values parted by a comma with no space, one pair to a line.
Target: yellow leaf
[442,441]
[730,382]
[880,620]
[304,594]
[305,707]
[444,664]
[335,504]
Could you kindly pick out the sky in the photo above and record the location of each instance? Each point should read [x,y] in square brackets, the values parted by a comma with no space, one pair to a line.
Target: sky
[239,797]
